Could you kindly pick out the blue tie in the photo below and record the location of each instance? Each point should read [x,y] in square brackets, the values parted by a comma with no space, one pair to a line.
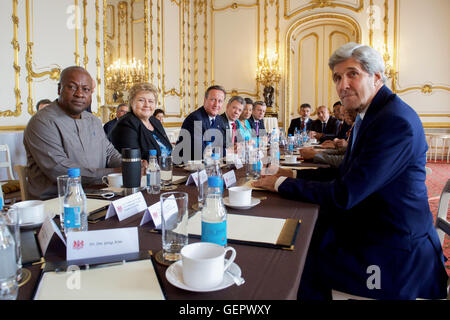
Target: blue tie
[356,129]
[213,122]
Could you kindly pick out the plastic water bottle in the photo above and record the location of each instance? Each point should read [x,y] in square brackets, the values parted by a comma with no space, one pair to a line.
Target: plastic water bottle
[305,137]
[282,139]
[153,174]
[8,264]
[213,169]
[75,211]
[275,152]
[291,142]
[247,156]
[214,214]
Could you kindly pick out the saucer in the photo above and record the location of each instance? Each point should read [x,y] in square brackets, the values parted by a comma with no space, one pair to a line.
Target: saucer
[290,163]
[174,275]
[254,202]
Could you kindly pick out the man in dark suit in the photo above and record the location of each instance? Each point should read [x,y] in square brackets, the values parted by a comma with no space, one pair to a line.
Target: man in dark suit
[121,110]
[374,236]
[257,119]
[325,127]
[342,125]
[230,117]
[201,126]
[303,121]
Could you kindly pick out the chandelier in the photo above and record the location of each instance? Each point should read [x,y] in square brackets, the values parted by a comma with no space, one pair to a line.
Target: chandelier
[268,72]
[121,76]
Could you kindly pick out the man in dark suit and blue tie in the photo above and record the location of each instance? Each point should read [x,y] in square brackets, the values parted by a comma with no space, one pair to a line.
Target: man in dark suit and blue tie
[201,126]
[303,121]
[374,236]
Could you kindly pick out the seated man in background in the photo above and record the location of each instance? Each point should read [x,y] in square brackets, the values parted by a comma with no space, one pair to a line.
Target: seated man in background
[159,114]
[121,110]
[231,117]
[333,150]
[325,127]
[201,126]
[42,104]
[257,119]
[64,135]
[304,121]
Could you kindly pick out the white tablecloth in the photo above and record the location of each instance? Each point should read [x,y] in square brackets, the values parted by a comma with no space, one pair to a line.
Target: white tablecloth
[14,140]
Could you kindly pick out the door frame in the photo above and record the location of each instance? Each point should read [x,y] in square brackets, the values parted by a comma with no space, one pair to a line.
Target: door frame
[297,26]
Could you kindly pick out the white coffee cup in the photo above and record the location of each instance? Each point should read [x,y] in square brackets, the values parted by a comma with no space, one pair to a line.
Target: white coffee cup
[290,158]
[113,180]
[240,196]
[204,264]
[30,211]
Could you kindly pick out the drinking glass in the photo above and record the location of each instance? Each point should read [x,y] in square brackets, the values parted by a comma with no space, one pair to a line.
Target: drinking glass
[174,224]
[166,166]
[202,186]
[62,188]
[12,221]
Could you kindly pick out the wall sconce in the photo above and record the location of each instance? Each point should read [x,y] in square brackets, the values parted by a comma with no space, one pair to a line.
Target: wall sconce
[268,74]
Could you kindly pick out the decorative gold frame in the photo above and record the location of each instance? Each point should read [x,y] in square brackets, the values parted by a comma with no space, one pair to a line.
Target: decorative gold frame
[426,88]
[314,4]
[235,6]
[295,27]
[53,73]
[16,47]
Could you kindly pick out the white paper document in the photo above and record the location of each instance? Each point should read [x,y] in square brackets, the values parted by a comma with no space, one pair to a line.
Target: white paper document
[245,228]
[134,280]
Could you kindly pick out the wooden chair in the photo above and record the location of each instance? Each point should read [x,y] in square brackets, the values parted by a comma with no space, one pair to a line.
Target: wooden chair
[7,164]
[23,180]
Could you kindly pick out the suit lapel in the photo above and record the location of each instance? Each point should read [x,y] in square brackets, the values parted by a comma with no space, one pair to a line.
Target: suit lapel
[377,104]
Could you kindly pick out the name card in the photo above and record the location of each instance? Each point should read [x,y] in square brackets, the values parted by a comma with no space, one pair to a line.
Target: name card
[194,177]
[45,235]
[154,212]
[229,178]
[102,243]
[127,206]
[238,163]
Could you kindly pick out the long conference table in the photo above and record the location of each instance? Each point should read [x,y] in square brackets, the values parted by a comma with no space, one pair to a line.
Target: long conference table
[270,273]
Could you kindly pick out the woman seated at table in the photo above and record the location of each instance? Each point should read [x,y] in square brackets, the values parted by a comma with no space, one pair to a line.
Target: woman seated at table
[245,130]
[138,129]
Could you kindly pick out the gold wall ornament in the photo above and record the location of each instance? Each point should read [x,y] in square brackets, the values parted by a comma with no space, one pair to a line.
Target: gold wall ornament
[16,67]
[77,52]
[314,4]
[53,73]
[85,38]
[426,88]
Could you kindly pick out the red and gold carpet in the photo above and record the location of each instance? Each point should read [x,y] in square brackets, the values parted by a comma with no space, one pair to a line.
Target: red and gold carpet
[435,183]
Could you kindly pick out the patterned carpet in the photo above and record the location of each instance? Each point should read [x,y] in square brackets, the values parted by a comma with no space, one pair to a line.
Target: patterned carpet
[435,183]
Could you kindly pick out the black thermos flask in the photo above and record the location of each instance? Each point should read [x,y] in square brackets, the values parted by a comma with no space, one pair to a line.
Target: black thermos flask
[131,170]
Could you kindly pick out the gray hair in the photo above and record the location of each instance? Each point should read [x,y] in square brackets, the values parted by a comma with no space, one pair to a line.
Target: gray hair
[238,99]
[370,59]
